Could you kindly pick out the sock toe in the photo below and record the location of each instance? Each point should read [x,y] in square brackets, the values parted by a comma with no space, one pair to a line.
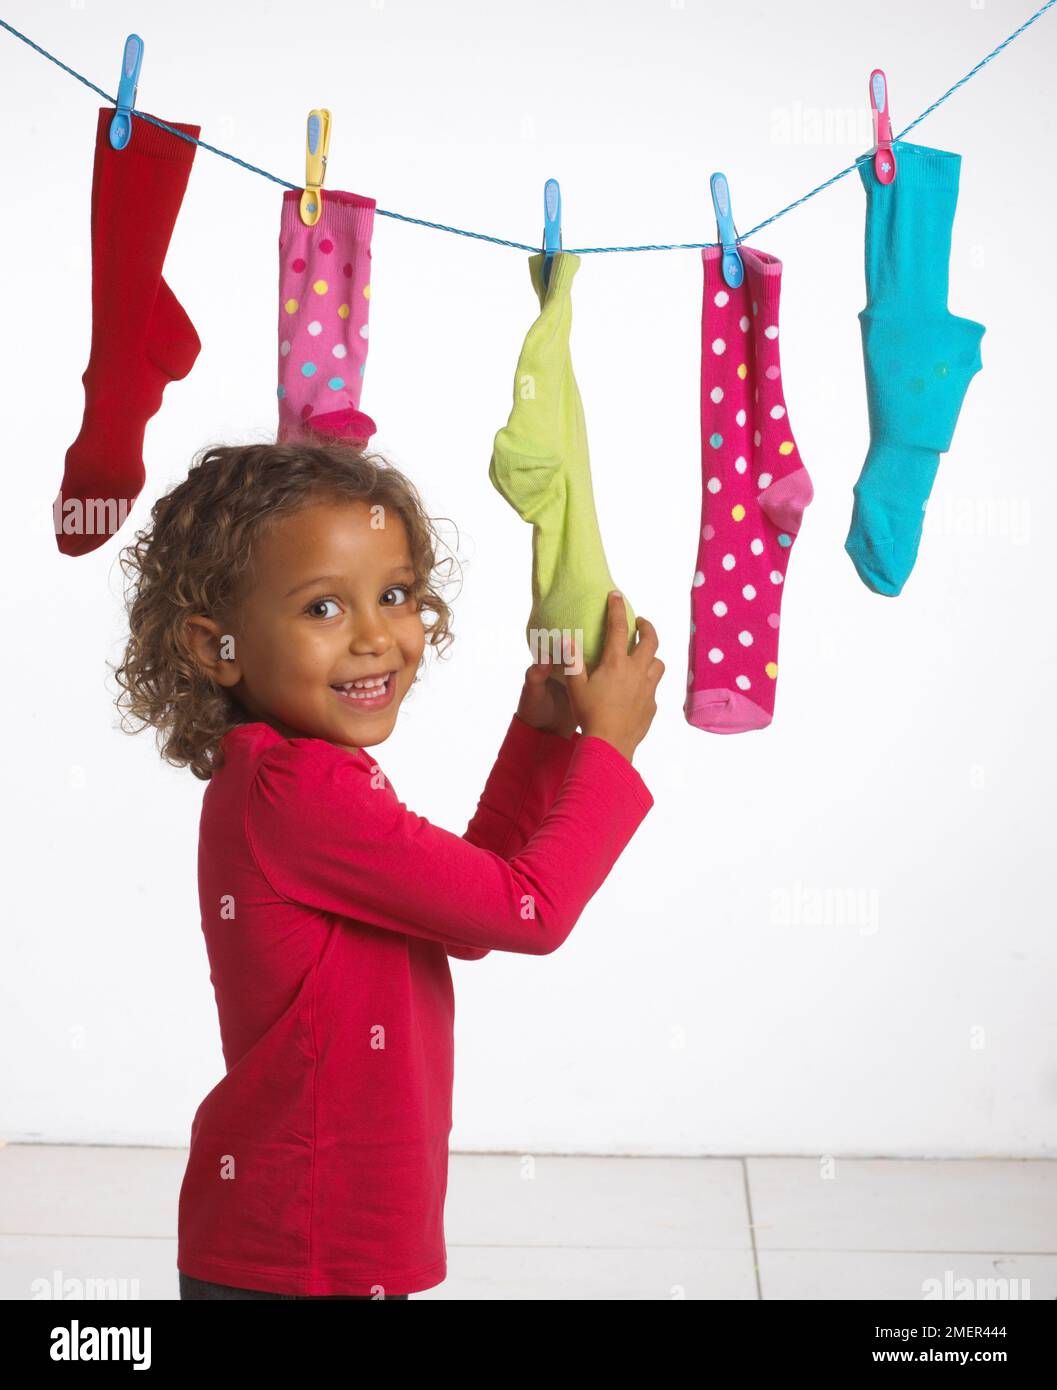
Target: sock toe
[721,711]
[874,567]
[883,562]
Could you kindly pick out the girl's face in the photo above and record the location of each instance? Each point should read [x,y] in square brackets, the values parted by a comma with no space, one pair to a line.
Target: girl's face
[330,604]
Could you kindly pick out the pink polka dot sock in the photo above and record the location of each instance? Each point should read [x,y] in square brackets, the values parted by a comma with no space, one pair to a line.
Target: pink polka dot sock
[324,295]
[754,491]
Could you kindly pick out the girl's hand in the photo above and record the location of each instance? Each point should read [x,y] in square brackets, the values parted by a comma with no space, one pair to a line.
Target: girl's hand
[617,701]
[545,704]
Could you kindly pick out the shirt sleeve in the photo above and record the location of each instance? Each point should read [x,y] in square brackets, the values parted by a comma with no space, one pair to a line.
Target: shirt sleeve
[528,772]
[329,834]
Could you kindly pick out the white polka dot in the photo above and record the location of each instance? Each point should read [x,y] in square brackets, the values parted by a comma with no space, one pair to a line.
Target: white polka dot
[717,394]
[740,417]
[690,676]
[693,627]
[339,350]
[748,592]
[699,579]
[743,323]
[756,438]
[757,547]
[721,300]
[728,561]
[777,576]
[745,638]
[720,609]
[315,328]
[771,331]
[764,480]
[714,485]
[284,347]
[754,308]
[363,330]
[742,682]
[719,347]
[777,411]
[740,465]
[714,654]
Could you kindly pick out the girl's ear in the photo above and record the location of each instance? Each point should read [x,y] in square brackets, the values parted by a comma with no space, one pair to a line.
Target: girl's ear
[212,650]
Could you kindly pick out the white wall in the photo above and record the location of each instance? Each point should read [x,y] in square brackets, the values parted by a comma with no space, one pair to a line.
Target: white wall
[911,761]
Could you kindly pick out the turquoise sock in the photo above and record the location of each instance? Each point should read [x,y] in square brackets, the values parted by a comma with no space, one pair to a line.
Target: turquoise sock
[919,359]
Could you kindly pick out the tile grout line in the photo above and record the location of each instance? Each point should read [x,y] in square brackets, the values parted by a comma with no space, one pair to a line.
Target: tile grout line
[621,1154]
[567,1245]
[570,1245]
[752,1228]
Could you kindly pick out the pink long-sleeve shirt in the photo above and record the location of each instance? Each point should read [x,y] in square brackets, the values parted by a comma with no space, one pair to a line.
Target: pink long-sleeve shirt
[319,1163]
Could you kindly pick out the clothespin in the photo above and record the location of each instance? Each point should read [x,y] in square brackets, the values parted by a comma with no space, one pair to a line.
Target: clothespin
[733,270]
[317,146]
[131,62]
[884,161]
[552,226]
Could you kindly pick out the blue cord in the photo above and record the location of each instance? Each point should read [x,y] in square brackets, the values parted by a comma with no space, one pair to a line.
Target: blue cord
[520,245]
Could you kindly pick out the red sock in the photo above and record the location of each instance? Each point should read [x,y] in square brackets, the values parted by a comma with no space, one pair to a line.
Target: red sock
[141,337]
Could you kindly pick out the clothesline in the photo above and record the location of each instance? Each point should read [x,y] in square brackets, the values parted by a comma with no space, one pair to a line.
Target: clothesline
[522,246]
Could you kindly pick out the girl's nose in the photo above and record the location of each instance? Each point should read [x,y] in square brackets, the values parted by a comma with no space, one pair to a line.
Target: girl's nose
[368,633]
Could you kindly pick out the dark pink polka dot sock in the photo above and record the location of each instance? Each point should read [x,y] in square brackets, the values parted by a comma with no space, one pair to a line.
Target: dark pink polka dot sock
[754,491]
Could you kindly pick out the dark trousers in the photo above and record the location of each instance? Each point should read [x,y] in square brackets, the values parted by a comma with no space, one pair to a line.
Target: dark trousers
[201,1288]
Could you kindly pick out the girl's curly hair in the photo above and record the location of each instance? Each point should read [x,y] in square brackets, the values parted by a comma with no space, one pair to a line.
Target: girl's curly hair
[196,552]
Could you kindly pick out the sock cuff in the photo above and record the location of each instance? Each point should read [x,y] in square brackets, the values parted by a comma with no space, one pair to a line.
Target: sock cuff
[763,277]
[563,269]
[150,140]
[917,166]
[764,273]
[344,214]
[909,223]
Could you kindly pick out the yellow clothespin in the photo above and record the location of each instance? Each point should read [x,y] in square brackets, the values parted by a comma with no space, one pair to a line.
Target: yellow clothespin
[317,145]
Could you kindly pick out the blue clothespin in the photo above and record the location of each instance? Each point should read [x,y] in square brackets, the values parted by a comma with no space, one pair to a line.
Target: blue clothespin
[733,270]
[552,226]
[131,61]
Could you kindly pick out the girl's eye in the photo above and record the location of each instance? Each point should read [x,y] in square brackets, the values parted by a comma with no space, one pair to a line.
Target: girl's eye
[319,603]
[322,602]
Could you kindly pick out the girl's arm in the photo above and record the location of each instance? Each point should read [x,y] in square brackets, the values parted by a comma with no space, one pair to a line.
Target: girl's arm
[328,834]
[527,775]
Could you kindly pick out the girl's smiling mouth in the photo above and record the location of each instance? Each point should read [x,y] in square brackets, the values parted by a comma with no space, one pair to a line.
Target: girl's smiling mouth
[368,693]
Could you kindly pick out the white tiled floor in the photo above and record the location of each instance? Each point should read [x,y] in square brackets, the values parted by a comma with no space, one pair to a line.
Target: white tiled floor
[592,1228]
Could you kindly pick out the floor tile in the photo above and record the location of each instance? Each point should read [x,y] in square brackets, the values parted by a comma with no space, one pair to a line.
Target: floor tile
[665,1202]
[833,1275]
[1000,1205]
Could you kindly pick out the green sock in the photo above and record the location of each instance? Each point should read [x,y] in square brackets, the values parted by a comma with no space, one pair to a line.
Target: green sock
[541,466]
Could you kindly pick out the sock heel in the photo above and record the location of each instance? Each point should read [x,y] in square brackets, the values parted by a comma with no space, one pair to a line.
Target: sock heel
[172,343]
[785,501]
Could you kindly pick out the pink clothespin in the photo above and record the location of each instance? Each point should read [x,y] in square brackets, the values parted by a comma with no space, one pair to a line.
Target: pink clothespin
[884,161]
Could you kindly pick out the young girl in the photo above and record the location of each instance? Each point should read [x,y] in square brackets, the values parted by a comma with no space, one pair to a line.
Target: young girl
[276,624]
